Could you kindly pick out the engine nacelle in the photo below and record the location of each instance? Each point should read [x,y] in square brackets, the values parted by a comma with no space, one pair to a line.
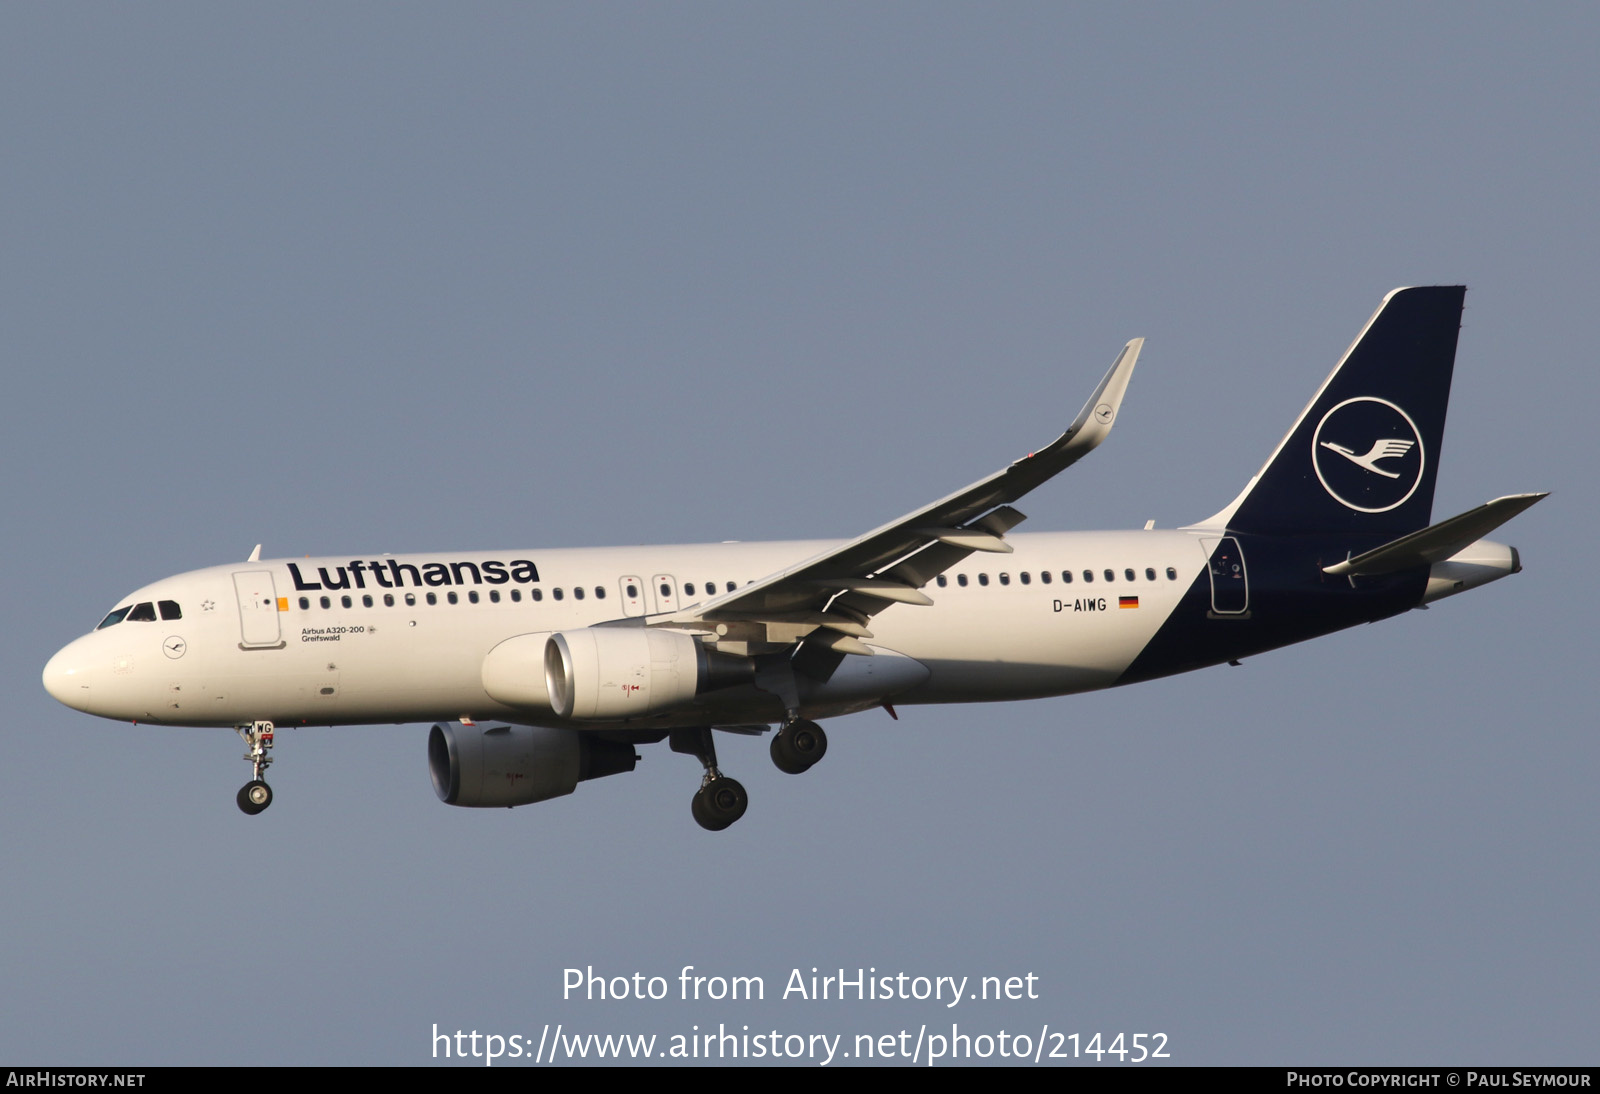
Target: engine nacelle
[604,674]
[513,673]
[490,766]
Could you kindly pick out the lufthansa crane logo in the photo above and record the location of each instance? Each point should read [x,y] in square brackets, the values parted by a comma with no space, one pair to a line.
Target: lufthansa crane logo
[1368,454]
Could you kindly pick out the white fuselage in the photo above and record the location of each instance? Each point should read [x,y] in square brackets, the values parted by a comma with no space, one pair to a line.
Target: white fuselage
[254,640]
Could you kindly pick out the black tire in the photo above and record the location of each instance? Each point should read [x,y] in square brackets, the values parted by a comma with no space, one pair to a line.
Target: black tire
[254,796]
[783,757]
[725,801]
[702,813]
[810,743]
[797,746]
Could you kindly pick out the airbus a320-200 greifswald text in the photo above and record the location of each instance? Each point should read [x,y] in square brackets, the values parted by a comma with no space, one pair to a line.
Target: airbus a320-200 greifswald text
[546,668]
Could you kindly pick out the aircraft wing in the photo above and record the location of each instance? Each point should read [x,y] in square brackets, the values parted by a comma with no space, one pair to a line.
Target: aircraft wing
[831,595]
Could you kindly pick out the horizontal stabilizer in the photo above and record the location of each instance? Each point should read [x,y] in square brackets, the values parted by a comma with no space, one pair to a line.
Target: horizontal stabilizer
[1437,542]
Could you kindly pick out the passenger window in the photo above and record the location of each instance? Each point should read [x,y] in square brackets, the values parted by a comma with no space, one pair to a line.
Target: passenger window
[1149,573]
[1026,580]
[326,603]
[983,579]
[1128,573]
[388,600]
[305,603]
[557,593]
[1044,577]
[366,600]
[472,596]
[494,596]
[433,599]
[1088,575]
[666,591]
[688,588]
[411,600]
[1005,579]
[731,586]
[1111,575]
[451,597]
[114,618]
[599,592]
[577,592]
[345,601]
[536,594]
[942,580]
[1172,574]
[516,596]
[1066,577]
[961,579]
[143,613]
[633,592]
[170,609]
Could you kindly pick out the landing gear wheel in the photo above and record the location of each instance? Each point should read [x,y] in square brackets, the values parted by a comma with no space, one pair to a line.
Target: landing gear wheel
[797,746]
[719,803]
[254,796]
[782,757]
[720,800]
[697,806]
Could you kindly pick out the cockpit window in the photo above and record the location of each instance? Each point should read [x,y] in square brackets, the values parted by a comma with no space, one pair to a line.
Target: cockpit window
[143,613]
[170,609]
[114,618]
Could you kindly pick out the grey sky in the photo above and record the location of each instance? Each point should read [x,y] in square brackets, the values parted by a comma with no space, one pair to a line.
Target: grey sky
[390,277]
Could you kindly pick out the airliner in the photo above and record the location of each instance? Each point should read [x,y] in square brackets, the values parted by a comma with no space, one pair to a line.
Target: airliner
[543,669]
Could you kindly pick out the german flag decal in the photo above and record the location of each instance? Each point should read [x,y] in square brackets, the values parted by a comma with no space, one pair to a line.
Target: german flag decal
[1127,602]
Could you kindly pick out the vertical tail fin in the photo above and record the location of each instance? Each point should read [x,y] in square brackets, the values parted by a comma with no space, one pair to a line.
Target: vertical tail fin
[1364,453]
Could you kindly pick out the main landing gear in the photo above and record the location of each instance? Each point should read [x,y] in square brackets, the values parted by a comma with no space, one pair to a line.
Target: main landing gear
[798,745]
[720,800]
[256,795]
[718,803]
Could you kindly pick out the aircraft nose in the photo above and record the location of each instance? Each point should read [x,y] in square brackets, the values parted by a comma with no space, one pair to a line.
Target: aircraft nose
[66,677]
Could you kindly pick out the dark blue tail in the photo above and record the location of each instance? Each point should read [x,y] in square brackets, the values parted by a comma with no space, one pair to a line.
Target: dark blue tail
[1364,453]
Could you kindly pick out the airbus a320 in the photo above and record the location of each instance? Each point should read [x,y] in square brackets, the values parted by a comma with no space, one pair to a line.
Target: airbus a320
[542,669]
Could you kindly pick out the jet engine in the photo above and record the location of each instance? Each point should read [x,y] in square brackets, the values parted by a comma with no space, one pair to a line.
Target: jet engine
[603,674]
[488,766]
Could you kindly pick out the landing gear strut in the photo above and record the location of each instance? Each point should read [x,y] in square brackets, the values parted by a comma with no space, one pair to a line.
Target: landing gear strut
[798,745]
[256,795]
[720,800]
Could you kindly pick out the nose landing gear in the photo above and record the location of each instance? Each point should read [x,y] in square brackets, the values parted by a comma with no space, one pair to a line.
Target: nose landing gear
[255,795]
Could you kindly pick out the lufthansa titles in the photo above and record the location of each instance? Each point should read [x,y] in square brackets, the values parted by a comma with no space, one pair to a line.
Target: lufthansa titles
[392,574]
